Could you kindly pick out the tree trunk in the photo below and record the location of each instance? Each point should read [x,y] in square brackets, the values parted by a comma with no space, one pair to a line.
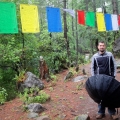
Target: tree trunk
[76,40]
[115,11]
[94,6]
[23,53]
[96,40]
[73,30]
[65,30]
[72,22]
[86,4]
[115,6]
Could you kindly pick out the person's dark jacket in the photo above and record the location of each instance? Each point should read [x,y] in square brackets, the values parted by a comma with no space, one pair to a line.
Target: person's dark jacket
[103,64]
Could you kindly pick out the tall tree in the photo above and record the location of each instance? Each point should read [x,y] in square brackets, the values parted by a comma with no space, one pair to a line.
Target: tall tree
[115,6]
[65,29]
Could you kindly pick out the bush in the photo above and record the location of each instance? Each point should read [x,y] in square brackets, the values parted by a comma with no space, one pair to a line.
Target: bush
[3,95]
[33,95]
[8,83]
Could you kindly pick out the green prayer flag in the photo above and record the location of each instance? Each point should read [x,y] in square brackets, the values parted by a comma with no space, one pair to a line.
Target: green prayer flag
[90,19]
[8,18]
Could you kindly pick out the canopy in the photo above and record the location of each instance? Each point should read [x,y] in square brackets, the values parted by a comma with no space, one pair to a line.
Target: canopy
[104,89]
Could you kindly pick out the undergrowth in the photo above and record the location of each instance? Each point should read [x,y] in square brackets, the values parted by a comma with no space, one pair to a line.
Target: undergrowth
[34,95]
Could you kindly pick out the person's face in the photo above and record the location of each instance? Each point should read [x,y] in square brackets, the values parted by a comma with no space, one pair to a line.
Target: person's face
[101,47]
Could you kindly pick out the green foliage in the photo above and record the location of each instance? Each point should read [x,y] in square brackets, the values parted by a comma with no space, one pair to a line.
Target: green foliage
[79,86]
[20,77]
[53,77]
[72,70]
[30,96]
[53,80]
[3,95]
[7,82]
[55,52]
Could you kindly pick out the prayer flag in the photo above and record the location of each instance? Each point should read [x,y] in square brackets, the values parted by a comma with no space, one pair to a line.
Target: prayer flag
[119,20]
[100,22]
[29,18]
[71,12]
[81,17]
[108,22]
[8,18]
[90,19]
[114,22]
[54,19]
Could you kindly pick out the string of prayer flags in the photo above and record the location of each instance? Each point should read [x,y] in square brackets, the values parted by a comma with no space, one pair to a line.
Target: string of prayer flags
[90,19]
[100,22]
[29,18]
[108,22]
[8,18]
[114,22]
[54,19]
[81,17]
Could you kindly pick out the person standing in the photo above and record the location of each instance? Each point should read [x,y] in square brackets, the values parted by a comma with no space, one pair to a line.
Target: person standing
[103,62]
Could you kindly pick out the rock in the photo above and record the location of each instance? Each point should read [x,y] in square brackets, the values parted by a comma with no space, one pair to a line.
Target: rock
[84,73]
[32,115]
[77,68]
[62,116]
[68,76]
[45,117]
[73,64]
[35,107]
[31,81]
[82,117]
[79,78]
[87,56]
[116,45]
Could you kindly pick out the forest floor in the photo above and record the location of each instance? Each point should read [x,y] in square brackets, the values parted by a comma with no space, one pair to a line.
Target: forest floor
[66,102]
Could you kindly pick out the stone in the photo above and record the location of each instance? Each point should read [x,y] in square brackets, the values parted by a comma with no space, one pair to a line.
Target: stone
[32,115]
[82,117]
[73,64]
[87,56]
[68,76]
[79,78]
[116,45]
[35,107]
[31,81]
[45,117]
[62,116]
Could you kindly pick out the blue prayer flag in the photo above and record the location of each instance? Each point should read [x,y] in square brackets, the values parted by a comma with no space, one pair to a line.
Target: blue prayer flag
[108,22]
[54,19]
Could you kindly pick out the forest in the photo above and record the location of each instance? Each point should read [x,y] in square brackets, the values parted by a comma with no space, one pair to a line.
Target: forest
[21,52]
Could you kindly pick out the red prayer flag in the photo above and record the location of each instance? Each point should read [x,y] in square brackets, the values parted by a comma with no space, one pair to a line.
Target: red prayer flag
[118,20]
[81,17]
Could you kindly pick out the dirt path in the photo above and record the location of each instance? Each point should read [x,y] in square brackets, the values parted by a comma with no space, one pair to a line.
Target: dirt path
[66,102]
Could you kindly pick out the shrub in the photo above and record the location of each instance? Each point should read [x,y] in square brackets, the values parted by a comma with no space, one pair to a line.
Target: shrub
[33,95]
[3,95]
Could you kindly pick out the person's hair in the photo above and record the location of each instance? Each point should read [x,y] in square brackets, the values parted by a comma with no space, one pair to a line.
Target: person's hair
[101,42]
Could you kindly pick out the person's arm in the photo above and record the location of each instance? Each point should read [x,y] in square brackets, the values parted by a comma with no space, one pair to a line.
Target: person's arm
[113,66]
[93,66]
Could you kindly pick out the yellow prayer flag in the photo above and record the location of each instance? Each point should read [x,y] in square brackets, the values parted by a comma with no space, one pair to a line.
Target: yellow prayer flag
[100,22]
[29,18]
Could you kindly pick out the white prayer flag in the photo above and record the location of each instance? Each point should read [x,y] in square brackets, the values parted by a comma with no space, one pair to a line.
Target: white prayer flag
[114,22]
[70,11]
